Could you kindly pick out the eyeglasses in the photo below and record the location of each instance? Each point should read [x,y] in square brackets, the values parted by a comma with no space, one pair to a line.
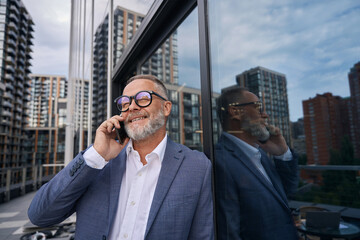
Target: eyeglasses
[142,99]
[258,104]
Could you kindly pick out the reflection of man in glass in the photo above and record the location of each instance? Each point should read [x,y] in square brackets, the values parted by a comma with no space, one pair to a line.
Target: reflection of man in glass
[251,189]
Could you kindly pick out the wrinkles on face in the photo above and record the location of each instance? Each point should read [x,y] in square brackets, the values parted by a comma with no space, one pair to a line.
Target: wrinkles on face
[137,131]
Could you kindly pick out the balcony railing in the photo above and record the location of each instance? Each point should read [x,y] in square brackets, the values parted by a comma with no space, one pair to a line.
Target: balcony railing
[16,181]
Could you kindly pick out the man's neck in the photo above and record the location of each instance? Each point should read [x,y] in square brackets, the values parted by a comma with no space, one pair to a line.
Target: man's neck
[246,137]
[147,145]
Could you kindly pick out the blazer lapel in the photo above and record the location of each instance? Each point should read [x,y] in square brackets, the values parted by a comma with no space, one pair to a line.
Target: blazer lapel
[117,170]
[270,169]
[238,154]
[170,165]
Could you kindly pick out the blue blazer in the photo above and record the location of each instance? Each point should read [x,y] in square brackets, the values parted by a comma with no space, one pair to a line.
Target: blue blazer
[248,206]
[181,208]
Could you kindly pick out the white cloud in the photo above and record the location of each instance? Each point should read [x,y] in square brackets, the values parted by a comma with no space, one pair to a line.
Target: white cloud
[51,35]
[314,43]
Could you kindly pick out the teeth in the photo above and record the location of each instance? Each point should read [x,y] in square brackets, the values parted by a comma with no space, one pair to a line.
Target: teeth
[137,119]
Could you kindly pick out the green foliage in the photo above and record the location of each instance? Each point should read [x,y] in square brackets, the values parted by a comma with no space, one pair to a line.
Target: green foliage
[339,187]
[302,159]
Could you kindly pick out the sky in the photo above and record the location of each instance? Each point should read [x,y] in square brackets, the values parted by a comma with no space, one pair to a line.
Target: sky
[52,30]
[314,43]
[51,35]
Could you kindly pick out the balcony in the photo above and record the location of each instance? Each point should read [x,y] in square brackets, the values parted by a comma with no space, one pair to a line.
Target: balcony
[18,101]
[29,42]
[18,93]
[9,86]
[6,113]
[20,69]
[10,68]
[11,51]
[13,17]
[21,53]
[13,26]
[14,9]
[8,95]
[18,117]
[22,38]
[19,85]
[9,77]
[21,62]
[12,33]
[10,60]
[22,46]
[7,104]
[18,109]
[4,121]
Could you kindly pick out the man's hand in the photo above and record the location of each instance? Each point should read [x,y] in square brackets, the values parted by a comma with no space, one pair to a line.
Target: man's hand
[276,145]
[105,143]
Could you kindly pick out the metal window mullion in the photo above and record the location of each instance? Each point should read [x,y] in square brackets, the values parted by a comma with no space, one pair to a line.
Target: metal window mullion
[110,57]
[69,134]
[206,89]
[81,127]
[205,77]
[89,139]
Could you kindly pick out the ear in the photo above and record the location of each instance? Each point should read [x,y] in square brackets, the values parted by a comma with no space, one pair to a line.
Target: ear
[235,113]
[167,108]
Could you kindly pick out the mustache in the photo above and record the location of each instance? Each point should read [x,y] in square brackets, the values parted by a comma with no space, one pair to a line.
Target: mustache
[135,114]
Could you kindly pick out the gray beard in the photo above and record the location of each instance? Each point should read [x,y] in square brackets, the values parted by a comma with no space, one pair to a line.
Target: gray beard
[140,133]
[256,129]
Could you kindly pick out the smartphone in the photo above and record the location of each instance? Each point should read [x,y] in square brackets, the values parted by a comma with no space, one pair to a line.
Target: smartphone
[121,133]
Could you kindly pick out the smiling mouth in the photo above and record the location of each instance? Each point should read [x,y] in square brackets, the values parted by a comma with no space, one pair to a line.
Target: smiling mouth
[137,119]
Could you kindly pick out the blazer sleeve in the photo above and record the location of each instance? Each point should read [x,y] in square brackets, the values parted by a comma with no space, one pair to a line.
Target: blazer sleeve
[203,223]
[289,174]
[56,200]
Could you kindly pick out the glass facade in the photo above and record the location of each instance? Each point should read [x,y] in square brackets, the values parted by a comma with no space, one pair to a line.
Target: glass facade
[303,85]
[299,61]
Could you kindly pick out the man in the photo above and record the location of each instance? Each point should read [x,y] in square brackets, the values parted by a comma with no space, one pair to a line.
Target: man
[251,190]
[146,188]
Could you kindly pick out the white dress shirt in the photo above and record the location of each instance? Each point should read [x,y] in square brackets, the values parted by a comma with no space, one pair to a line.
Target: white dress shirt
[254,154]
[136,192]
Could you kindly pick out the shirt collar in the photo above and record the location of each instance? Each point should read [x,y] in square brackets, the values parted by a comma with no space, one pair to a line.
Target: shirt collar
[159,150]
[246,148]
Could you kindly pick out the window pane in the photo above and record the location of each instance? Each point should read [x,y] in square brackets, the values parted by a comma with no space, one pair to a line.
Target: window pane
[303,64]
[176,62]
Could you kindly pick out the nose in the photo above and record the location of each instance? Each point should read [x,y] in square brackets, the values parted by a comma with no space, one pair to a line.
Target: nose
[133,106]
[264,114]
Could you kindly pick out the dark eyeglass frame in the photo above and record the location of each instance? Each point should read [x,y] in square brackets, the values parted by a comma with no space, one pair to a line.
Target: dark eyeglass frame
[258,103]
[136,101]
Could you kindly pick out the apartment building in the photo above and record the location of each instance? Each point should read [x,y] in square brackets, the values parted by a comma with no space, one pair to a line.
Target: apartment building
[46,121]
[162,64]
[16,28]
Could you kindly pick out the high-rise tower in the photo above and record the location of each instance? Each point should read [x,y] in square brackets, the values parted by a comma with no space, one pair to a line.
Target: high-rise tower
[47,113]
[16,27]
[354,82]
[162,64]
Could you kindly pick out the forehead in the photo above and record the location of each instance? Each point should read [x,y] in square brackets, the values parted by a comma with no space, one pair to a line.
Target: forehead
[139,85]
[250,97]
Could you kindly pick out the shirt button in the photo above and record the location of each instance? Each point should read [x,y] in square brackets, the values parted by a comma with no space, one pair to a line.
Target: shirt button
[125,235]
[140,174]
[132,203]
